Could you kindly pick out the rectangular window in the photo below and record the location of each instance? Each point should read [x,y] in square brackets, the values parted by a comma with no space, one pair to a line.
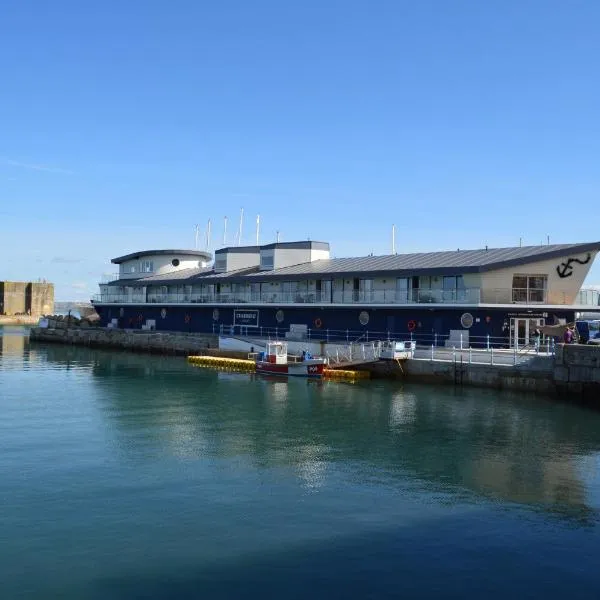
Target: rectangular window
[220,264]
[366,286]
[326,293]
[146,266]
[266,261]
[403,285]
[529,288]
[454,282]
[454,289]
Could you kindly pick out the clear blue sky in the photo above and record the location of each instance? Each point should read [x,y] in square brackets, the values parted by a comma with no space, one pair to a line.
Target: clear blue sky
[125,123]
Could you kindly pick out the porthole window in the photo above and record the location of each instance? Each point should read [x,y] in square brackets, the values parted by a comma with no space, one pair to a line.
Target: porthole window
[175,262]
[363,317]
[466,320]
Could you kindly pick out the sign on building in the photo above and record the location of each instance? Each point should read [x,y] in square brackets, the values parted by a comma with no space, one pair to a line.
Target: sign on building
[246,318]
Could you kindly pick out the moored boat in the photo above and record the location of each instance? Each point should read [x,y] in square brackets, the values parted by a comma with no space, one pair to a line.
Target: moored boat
[275,361]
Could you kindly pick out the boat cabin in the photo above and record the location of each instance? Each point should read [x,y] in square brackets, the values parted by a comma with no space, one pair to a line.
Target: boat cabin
[392,350]
[276,353]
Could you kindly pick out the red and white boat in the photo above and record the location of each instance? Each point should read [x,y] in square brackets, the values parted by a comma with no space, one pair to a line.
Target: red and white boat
[275,361]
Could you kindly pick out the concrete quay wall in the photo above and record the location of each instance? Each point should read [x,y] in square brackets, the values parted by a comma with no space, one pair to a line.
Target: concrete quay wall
[535,379]
[577,371]
[157,342]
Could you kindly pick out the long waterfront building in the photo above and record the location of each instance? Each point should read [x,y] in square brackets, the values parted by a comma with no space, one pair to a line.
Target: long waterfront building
[296,288]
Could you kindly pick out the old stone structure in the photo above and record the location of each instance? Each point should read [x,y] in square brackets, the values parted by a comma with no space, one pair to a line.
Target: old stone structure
[26,298]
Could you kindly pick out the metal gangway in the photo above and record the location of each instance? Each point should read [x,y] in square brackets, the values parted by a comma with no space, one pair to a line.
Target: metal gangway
[353,354]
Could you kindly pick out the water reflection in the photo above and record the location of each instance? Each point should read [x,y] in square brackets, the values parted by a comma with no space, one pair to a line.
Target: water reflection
[12,348]
[510,447]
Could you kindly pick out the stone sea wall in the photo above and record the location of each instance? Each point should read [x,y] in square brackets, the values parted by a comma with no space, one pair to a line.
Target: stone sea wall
[159,342]
[577,371]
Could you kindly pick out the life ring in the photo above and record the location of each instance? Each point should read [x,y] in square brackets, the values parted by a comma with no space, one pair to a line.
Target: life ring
[188,318]
[140,318]
[412,325]
[318,323]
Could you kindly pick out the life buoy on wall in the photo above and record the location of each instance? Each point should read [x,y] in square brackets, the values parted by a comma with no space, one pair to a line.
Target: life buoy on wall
[318,323]
[412,325]
[140,317]
[188,318]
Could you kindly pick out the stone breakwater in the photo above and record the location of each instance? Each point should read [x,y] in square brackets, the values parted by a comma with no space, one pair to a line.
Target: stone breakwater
[182,344]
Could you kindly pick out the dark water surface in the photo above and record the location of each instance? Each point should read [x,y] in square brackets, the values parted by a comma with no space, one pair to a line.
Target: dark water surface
[132,476]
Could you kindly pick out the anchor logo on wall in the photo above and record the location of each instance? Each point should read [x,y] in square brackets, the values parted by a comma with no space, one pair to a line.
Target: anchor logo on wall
[565,269]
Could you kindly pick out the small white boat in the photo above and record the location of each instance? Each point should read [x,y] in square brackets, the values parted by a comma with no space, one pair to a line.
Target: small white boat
[275,361]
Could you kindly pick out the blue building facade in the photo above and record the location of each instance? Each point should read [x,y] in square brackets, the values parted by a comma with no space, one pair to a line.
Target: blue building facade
[295,288]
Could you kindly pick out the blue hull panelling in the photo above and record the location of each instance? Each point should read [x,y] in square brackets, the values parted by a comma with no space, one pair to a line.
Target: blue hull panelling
[327,322]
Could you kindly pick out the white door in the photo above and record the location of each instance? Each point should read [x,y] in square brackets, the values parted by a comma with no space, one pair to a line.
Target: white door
[522,330]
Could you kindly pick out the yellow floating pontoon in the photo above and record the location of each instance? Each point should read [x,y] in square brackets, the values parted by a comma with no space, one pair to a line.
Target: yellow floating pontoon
[243,365]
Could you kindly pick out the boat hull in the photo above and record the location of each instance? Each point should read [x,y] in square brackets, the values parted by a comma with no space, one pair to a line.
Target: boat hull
[291,369]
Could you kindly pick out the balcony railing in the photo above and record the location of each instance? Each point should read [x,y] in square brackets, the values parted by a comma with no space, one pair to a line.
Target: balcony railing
[466,296]
[109,277]
[590,297]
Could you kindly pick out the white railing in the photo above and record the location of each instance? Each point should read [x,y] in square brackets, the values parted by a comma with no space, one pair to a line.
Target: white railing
[354,353]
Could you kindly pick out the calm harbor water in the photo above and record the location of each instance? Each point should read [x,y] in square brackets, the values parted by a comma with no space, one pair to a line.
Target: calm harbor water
[132,476]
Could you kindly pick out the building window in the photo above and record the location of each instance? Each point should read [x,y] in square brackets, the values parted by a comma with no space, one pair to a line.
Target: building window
[529,288]
[255,291]
[146,266]
[266,261]
[455,282]
[454,289]
[132,269]
[403,285]
[220,264]
[366,290]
